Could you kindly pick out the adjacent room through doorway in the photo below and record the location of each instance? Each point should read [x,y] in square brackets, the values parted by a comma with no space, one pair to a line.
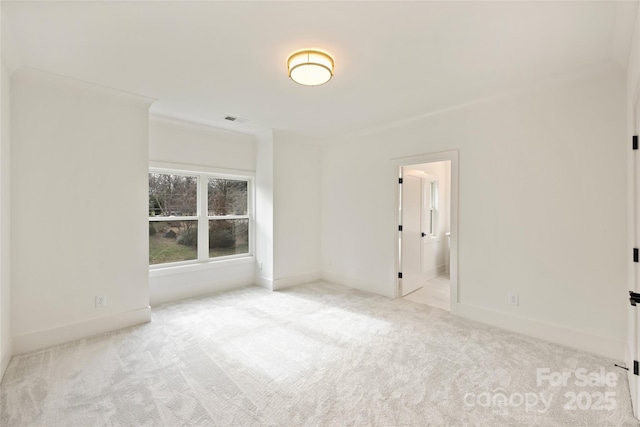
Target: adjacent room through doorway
[425,230]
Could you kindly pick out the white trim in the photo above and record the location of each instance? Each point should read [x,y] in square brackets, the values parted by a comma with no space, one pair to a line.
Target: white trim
[188,124]
[75,331]
[549,82]
[397,164]
[214,217]
[5,358]
[434,272]
[33,74]
[203,218]
[264,282]
[299,279]
[357,283]
[632,325]
[214,264]
[172,218]
[203,222]
[188,168]
[603,346]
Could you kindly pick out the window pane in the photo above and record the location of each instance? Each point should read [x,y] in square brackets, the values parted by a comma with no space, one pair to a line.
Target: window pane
[228,237]
[227,197]
[171,241]
[172,195]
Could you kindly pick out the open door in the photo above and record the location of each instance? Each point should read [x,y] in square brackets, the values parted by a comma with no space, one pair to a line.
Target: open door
[632,347]
[411,234]
[415,225]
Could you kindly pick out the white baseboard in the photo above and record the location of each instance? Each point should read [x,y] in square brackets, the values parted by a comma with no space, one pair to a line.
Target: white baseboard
[581,340]
[264,282]
[362,284]
[603,346]
[54,336]
[299,279]
[5,358]
[434,272]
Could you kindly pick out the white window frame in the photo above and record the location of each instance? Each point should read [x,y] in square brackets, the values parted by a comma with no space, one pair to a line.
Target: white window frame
[434,194]
[203,174]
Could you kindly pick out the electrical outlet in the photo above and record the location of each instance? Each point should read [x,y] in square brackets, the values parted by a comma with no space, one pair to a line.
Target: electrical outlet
[260,265]
[514,299]
[101,301]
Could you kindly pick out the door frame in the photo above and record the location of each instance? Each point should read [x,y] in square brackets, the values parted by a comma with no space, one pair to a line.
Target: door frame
[632,344]
[398,163]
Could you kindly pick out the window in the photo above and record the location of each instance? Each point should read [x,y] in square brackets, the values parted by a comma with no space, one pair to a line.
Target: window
[194,217]
[228,211]
[433,208]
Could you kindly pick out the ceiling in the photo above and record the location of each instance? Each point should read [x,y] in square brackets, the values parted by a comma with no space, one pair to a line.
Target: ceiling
[203,60]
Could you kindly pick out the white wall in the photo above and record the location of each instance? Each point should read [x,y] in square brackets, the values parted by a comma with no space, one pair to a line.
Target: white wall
[79,157]
[5,222]
[180,142]
[288,210]
[191,146]
[542,207]
[296,210]
[287,195]
[264,210]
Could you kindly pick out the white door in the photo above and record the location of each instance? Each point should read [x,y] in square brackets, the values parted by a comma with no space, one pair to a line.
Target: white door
[633,328]
[411,234]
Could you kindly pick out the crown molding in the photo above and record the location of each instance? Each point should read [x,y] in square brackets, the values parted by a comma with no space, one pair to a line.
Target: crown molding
[28,74]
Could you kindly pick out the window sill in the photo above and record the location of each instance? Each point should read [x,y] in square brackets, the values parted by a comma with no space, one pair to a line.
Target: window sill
[200,266]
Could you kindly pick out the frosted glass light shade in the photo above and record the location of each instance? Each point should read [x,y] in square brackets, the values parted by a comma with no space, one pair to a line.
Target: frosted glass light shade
[310,67]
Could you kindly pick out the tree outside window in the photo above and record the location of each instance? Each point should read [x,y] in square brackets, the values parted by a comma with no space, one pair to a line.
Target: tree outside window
[175,217]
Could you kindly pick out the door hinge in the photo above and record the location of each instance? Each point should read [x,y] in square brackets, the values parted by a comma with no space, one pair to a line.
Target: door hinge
[635,142]
[635,255]
[636,368]
[400,181]
[399,228]
[634,298]
[399,275]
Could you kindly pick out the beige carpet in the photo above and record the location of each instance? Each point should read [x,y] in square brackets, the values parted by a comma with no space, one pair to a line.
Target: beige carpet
[314,355]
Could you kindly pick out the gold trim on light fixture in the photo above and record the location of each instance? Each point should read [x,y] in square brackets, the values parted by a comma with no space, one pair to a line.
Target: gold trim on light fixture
[310,67]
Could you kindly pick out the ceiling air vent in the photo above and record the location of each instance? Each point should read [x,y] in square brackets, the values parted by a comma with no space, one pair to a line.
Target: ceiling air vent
[236,119]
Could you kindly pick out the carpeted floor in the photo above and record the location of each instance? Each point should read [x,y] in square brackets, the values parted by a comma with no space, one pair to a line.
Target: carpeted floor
[314,355]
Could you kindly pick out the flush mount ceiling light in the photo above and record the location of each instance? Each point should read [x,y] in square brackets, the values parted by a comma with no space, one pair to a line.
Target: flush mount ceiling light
[310,67]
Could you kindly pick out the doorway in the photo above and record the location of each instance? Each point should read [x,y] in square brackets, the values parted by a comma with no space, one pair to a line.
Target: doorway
[427,229]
